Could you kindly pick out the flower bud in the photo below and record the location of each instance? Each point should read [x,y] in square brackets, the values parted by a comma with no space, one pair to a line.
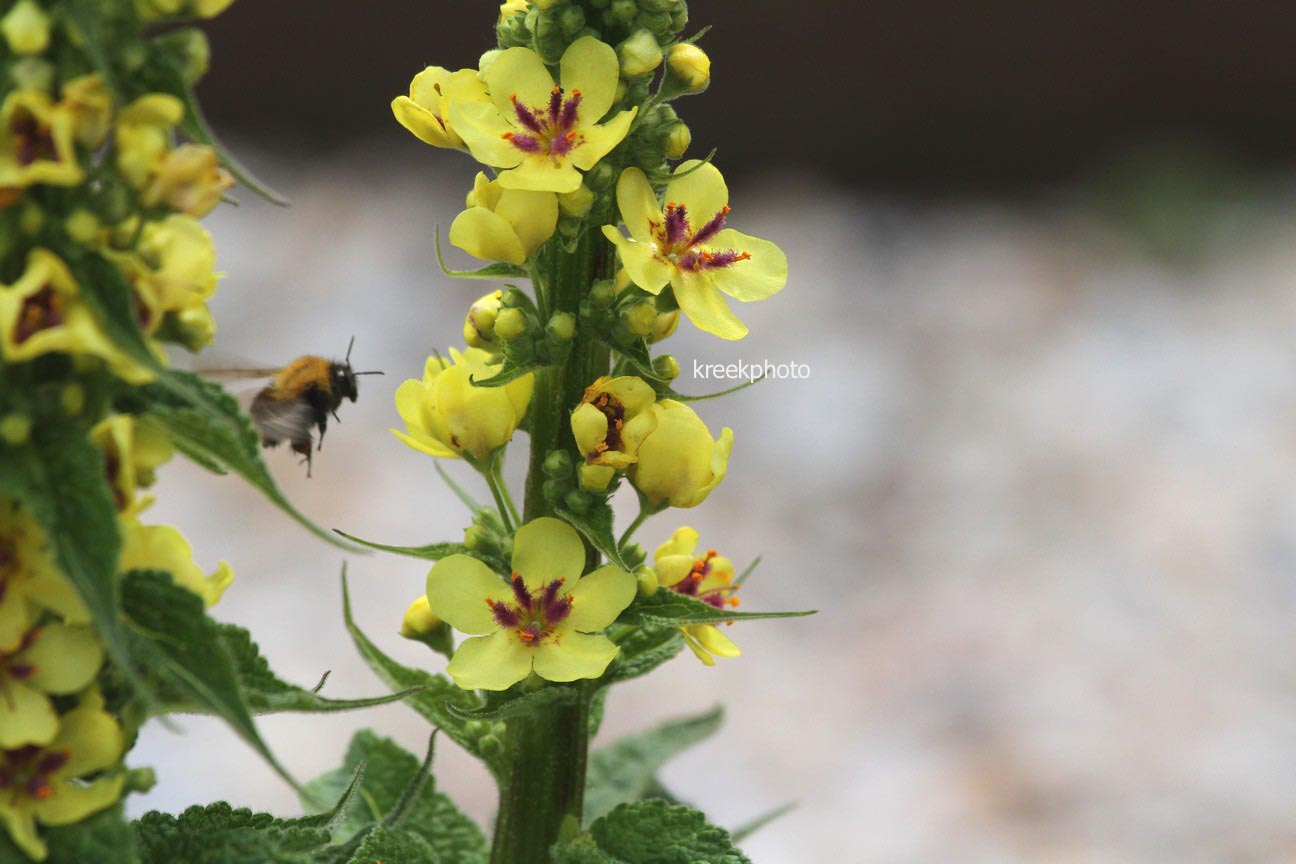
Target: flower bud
[545,4]
[603,293]
[473,536]
[422,625]
[678,462]
[691,67]
[665,324]
[194,326]
[572,21]
[510,324]
[557,463]
[622,12]
[72,399]
[647,581]
[666,367]
[83,226]
[676,140]
[561,327]
[577,203]
[490,747]
[33,73]
[595,478]
[15,429]
[640,54]
[479,325]
[577,501]
[189,50]
[26,28]
[640,318]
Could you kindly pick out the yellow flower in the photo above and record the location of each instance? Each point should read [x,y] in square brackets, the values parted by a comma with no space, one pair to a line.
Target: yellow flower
[52,659]
[419,620]
[45,784]
[36,142]
[687,246]
[30,582]
[509,8]
[691,65]
[544,619]
[640,54]
[611,421]
[162,547]
[133,450]
[504,224]
[447,416]
[706,577]
[173,269]
[210,8]
[43,312]
[678,462]
[26,27]
[89,101]
[479,325]
[143,135]
[426,110]
[543,134]
[189,179]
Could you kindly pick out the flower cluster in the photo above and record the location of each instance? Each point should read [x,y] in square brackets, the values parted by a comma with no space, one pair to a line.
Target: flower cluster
[102,259]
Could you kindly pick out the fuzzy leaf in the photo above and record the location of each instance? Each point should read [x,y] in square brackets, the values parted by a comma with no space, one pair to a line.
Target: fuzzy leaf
[398,846]
[390,774]
[511,371]
[642,651]
[498,270]
[670,608]
[438,692]
[174,639]
[524,704]
[582,850]
[219,834]
[105,836]
[655,832]
[624,771]
[596,526]
[430,552]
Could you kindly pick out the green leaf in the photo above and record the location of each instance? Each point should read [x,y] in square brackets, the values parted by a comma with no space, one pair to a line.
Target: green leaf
[219,834]
[59,476]
[670,608]
[396,846]
[552,694]
[175,640]
[266,693]
[430,552]
[665,391]
[86,14]
[511,371]
[195,126]
[655,832]
[582,850]
[105,836]
[625,771]
[438,692]
[747,829]
[643,650]
[393,786]
[499,270]
[596,526]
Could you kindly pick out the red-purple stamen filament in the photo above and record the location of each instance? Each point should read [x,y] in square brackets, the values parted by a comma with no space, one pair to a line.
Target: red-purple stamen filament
[551,130]
[531,617]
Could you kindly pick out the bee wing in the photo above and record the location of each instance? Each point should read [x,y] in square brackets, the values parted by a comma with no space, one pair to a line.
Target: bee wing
[235,374]
[281,420]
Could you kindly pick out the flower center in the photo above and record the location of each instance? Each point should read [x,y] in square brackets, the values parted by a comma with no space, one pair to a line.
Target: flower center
[26,772]
[549,130]
[11,670]
[695,584]
[40,311]
[32,140]
[679,244]
[614,411]
[532,615]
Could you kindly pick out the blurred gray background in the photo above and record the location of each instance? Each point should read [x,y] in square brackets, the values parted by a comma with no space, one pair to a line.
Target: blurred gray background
[1041,480]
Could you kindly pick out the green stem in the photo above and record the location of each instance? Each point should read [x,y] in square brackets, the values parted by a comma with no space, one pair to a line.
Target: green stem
[490,469]
[542,786]
[498,470]
[638,520]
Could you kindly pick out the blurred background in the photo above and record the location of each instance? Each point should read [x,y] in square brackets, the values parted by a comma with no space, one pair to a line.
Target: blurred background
[1041,480]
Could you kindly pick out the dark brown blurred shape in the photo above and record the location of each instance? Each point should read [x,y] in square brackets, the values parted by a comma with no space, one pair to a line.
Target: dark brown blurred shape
[929,96]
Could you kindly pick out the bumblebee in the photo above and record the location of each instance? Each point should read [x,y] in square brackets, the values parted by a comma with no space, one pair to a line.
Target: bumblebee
[300,398]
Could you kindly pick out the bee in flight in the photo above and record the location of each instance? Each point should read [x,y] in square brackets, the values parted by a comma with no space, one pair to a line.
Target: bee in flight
[300,398]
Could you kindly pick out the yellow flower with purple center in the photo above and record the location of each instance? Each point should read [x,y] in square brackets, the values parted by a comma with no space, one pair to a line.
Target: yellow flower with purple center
[30,581]
[163,547]
[541,133]
[446,415]
[43,313]
[504,224]
[686,245]
[426,110]
[707,577]
[189,179]
[611,421]
[171,270]
[143,135]
[45,785]
[51,659]
[89,100]
[678,462]
[544,619]
[37,142]
[133,450]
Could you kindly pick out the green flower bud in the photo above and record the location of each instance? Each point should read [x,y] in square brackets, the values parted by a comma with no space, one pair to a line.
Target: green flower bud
[676,141]
[553,489]
[139,780]
[633,554]
[476,728]
[26,28]
[15,429]
[623,12]
[666,367]
[473,537]
[603,293]
[561,327]
[31,219]
[510,324]
[657,5]
[189,49]
[577,501]
[83,226]
[576,204]
[640,54]
[512,298]
[601,177]
[572,21]
[545,4]
[490,747]
[657,22]
[557,463]
[193,326]
[33,73]
[72,399]
[647,581]
[640,318]
[690,66]
[679,18]
[549,41]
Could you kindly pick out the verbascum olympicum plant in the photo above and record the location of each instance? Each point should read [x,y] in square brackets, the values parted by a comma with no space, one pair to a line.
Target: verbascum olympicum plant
[106,168]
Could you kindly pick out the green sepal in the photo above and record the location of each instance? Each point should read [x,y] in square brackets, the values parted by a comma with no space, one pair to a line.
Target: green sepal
[643,649]
[535,700]
[626,770]
[498,270]
[438,693]
[511,371]
[175,640]
[670,608]
[195,127]
[596,526]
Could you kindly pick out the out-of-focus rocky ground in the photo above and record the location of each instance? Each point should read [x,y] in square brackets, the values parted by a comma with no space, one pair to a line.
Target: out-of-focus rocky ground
[1040,483]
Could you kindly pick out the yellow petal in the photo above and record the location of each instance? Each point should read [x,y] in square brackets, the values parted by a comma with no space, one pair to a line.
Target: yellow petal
[705,306]
[591,67]
[715,642]
[65,659]
[640,261]
[26,715]
[487,235]
[762,275]
[683,542]
[600,597]
[425,125]
[573,655]
[481,127]
[533,215]
[71,803]
[518,72]
[589,427]
[599,140]
[494,662]
[458,587]
[703,191]
[540,173]
[546,549]
[638,205]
